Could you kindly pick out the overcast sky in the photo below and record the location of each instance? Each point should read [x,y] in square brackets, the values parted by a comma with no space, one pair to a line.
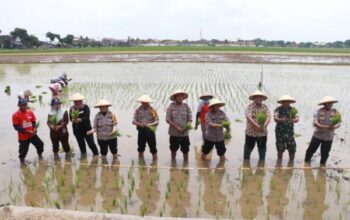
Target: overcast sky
[298,20]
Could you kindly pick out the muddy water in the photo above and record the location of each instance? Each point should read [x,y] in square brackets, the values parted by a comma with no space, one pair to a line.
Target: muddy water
[225,190]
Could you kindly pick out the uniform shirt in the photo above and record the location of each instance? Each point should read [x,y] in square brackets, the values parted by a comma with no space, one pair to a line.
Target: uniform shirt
[179,115]
[84,115]
[146,116]
[215,134]
[324,117]
[284,129]
[24,120]
[252,111]
[104,124]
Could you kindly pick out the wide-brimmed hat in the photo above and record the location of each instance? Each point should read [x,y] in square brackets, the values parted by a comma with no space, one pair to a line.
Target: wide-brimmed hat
[206,94]
[177,92]
[286,98]
[144,99]
[257,93]
[102,102]
[77,97]
[327,99]
[214,102]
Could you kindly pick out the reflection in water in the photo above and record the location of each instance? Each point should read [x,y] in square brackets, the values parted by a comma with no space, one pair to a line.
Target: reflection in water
[64,181]
[86,182]
[111,189]
[148,191]
[33,181]
[177,195]
[314,204]
[214,200]
[279,182]
[252,190]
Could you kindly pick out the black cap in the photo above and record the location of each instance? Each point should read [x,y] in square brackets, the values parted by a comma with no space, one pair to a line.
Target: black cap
[55,101]
[22,102]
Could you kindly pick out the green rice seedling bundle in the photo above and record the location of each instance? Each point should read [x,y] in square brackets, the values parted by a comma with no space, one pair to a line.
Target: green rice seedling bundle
[261,118]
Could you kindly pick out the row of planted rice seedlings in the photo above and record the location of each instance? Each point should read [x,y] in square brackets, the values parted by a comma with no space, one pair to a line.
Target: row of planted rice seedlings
[278,195]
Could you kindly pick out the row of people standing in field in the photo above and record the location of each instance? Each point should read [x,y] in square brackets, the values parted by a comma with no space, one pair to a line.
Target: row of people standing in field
[214,124]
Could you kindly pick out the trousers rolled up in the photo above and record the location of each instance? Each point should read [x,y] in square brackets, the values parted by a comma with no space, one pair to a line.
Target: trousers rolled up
[24,146]
[250,144]
[146,136]
[315,143]
[108,144]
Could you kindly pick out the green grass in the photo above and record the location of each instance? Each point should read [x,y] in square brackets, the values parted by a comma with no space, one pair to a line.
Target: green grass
[174,49]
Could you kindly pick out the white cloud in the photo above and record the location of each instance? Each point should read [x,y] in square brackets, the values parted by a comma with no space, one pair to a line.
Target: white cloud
[300,20]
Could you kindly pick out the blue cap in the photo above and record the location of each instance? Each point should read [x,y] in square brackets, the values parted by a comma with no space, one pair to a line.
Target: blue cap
[55,101]
[22,102]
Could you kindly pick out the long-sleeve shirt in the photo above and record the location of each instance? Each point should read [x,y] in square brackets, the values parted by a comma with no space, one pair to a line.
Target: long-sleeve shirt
[23,122]
[64,122]
[84,115]
[180,115]
[215,134]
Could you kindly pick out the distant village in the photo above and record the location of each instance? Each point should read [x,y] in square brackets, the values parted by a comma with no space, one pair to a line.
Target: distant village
[20,39]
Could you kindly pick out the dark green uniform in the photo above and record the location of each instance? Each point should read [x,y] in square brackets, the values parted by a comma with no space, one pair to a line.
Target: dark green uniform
[284,131]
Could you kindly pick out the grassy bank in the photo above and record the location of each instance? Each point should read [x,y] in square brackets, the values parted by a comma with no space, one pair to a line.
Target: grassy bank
[176,49]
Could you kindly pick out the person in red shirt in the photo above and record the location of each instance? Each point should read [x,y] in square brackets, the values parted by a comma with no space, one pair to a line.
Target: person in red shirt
[202,110]
[24,122]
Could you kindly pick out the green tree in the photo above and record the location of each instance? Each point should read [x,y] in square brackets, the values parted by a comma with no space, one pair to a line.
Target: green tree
[21,33]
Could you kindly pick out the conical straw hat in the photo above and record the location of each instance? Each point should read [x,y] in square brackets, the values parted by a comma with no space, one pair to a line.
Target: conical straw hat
[172,97]
[77,97]
[214,102]
[102,102]
[144,99]
[327,99]
[257,93]
[286,98]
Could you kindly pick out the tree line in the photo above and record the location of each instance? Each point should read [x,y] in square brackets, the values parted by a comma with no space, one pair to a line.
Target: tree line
[19,38]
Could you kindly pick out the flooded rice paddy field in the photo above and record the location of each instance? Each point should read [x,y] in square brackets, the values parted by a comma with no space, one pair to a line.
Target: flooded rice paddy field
[221,190]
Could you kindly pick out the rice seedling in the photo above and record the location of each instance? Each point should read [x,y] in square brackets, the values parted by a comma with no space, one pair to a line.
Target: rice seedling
[38,86]
[75,114]
[336,119]
[261,118]
[187,127]
[7,90]
[227,135]
[238,120]
[37,124]
[153,128]
[57,204]
[293,113]
[116,133]
[52,120]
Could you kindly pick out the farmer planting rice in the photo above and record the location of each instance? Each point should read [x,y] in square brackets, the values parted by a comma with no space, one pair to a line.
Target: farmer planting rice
[214,131]
[258,118]
[179,118]
[80,116]
[62,80]
[146,120]
[24,122]
[285,116]
[326,120]
[57,121]
[203,108]
[55,89]
[105,123]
